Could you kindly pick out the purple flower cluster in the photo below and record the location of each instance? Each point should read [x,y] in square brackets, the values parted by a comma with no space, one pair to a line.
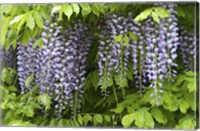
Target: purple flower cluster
[25,65]
[72,60]
[113,56]
[59,67]
[137,51]
[187,49]
[161,44]
[153,55]
[7,58]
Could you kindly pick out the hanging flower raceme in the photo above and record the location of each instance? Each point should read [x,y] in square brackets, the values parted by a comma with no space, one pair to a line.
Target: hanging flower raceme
[113,55]
[44,72]
[25,65]
[138,52]
[76,49]
[187,49]
[161,44]
[106,61]
[59,68]
[7,58]
[168,33]
[151,63]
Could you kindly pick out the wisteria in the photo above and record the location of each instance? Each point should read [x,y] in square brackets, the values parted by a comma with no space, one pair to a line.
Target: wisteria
[138,52]
[153,55]
[161,43]
[25,65]
[59,67]
[187,49]
[7,58]
[73,59]
[113,56]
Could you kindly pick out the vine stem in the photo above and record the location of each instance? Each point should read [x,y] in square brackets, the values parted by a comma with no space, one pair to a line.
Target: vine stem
[74,108]
[115,94]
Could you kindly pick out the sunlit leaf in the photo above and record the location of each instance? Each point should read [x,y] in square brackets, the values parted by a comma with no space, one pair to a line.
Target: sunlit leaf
[76,8]
[68,11]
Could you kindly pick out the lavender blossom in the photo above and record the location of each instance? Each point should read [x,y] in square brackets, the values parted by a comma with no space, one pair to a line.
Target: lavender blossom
[187,49]
[7,58]
[161,45]
[113,56]
[25,65]
[169,38]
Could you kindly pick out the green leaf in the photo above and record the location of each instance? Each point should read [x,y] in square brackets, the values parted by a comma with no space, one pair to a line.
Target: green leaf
[183,105]
[61,123]
[45,100]
[191,86]
[5,76]
[12,88]
[107,118]
[35,105]
[130,109]
[191,74]
[126,40]
[97,119]
[44,13]
[25,37]
[20,123]
[85,9]
[119,38]
[87,118]
[68,11]
[38,43]
[169,101]
[21,23]
[56,8]
[11,105]
[30,22]
[52,123]
[128,119]
[190,98]
[4,105]
[156,17]
[121,80]
[107,82]
[4,30]
[80,119]
[28,81]
[159,116]
[76,8]
[187,122]
[95,10]
[16,19]
[38,19]
[95,79]
[118,110]
[143,15]
[180,11]
[28,111]
[133,36]
[143,118]
[161,12]
[99,103]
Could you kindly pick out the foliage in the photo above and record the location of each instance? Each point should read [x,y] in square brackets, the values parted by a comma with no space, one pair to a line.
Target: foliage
[122,107]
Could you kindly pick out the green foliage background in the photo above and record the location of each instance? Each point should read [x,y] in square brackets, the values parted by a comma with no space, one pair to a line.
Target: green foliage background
[122,108]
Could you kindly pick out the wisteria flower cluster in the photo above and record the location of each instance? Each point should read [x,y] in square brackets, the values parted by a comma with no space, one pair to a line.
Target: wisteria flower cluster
[59,67]
[153,55]
[7,58]
[187,49]
[162,43]
[25,65]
